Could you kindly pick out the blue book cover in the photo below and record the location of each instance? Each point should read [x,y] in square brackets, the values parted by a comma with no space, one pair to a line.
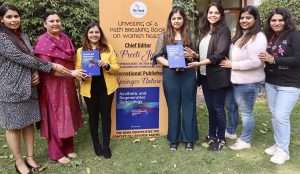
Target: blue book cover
[90,60]
[137,108]
[176,56]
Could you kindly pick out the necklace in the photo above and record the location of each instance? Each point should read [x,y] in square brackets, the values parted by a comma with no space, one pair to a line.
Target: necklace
[271,42]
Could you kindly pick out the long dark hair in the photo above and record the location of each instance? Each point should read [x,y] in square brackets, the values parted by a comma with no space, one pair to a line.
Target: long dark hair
[102,44]
[289,23]
[204,25]
[14,36]
[169,37]
[251,33]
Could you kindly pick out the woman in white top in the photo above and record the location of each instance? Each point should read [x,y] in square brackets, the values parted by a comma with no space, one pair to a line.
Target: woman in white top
[213,48]
[247,70]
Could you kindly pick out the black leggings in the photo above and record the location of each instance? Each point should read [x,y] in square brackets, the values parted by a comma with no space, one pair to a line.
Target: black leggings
[100,103]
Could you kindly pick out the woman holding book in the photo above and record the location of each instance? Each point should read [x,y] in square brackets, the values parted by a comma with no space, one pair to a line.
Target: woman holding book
[19,108]
[179,84]
[213,48]
[98,91]
[60,110]
[247,70]
[282,85]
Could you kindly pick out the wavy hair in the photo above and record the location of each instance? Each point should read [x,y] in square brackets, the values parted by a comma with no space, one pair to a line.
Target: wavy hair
[102,44]
[289,23]
[169,36]
[204,25]
[251,33]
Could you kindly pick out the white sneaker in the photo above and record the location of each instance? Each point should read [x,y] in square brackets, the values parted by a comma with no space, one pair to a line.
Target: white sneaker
[280,156]
[271,150]
[239,145]
[230,136]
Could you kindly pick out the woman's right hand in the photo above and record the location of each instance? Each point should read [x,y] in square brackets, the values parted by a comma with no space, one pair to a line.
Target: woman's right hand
[190,54]
[79,73]
[193,65]
[61,69]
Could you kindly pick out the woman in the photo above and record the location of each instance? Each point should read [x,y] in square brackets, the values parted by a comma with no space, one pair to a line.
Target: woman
[247,70]
[98,91]
[60,110]
[282,78]
[179,84]
[213,48]
[19,108]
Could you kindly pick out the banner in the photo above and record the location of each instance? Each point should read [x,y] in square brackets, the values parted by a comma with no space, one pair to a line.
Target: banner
[132,28]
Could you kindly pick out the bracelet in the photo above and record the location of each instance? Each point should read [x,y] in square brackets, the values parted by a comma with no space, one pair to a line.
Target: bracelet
[107,67]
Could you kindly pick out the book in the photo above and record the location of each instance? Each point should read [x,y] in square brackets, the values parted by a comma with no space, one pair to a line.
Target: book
[90,60]
[176,56]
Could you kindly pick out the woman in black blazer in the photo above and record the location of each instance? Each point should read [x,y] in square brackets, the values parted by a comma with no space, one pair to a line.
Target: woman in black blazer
[213,48]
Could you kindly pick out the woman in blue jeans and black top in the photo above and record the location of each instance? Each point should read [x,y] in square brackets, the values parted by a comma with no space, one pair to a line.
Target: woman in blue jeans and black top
[213,48]
[282,78]
[247,70]
[179,84]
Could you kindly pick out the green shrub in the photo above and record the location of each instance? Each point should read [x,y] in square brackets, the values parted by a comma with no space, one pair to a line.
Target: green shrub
[75,15]
[292,5]
[189,7]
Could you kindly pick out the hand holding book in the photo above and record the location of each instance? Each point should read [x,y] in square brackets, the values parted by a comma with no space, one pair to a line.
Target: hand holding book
[104,64]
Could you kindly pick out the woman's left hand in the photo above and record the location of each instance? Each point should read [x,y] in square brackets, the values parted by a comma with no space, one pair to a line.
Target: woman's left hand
[225,63]
[103,63]
[35,78]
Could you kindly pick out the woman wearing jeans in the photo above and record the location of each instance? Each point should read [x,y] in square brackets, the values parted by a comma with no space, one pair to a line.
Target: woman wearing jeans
[247,70]
[282,78]
[213,48]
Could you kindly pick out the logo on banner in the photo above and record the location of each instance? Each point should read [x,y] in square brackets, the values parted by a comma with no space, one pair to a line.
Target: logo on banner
[138,9]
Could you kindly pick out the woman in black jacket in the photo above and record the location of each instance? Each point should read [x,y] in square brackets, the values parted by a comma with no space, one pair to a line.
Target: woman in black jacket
[282,78]
[213,48]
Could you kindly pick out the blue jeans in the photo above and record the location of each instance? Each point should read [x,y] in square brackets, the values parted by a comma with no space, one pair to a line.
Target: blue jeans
[232,111]
[281,101]
[180,93]
[245,96]
[215,101]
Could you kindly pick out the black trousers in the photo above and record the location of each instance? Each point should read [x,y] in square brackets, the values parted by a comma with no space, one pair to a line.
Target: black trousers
[100,103]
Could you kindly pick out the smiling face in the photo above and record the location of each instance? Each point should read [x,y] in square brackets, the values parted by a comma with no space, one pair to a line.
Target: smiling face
[277,23]
[53,24]
[94,35]
[247,21]
[177,21]
[11,20]
[213,15]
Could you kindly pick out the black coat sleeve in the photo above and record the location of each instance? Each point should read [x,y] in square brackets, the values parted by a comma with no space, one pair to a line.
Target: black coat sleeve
[221,46]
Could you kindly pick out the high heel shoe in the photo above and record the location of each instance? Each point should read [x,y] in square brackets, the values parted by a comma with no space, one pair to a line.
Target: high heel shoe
[31,168]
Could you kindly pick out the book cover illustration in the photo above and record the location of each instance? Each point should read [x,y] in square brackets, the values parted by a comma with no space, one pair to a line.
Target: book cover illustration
[137,108]
[90,60]
[176,56]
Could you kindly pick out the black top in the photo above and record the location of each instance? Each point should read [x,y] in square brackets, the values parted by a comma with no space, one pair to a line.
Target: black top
[98,85]
[286,51]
